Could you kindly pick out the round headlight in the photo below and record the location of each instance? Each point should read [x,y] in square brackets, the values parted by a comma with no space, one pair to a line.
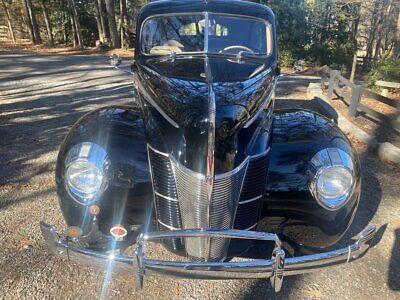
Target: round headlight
[85,177]
[333,186]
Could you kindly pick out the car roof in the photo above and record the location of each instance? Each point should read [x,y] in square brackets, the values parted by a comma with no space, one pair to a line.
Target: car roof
[234,7]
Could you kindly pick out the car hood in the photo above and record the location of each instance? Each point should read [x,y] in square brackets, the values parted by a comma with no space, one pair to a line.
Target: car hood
[194,104]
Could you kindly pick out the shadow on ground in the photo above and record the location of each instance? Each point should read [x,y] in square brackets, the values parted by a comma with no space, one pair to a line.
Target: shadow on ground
[41,97]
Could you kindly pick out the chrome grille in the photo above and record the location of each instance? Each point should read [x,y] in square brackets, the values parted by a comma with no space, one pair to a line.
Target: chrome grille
[250,202]
[198,211]
[165,195]
[225,198]
[182,201]
[194,207]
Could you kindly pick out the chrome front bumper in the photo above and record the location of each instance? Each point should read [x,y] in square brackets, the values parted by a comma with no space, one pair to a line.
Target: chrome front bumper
[275,268]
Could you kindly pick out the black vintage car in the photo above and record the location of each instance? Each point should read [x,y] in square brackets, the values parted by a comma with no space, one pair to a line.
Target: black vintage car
[201,163]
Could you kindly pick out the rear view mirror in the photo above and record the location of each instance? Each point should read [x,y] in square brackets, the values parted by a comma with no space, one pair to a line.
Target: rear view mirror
[115,60]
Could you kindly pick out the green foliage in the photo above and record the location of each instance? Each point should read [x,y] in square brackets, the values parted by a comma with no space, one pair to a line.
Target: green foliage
[386,69]
[87,22]
[292,29]
[316,31]
[331,39]
[286,58]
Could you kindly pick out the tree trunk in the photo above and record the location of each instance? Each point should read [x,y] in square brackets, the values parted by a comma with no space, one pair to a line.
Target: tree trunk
[396,46]
[371,35]
[382,24]
[61,25]
[115,41]
[35,26]
[356,23]
[10,25]
[103,20]
[74,16]
[122,21]
[48,24]
[28,22]
[100,27]
[64,32]
[74,38]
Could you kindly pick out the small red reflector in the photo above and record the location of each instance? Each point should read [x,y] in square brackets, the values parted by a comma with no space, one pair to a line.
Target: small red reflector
[94,210]
[73,232]
[118,231]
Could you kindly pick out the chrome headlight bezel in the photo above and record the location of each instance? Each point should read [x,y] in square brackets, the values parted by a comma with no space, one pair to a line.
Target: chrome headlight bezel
[327,160]
[95,157]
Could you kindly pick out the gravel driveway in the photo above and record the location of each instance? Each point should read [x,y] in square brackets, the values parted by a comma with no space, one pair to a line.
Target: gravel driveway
[41,96]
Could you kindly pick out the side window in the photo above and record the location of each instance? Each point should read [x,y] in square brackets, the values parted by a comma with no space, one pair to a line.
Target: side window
[221,30]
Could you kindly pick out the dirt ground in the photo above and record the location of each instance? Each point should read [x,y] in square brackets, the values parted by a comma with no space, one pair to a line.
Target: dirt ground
[381,131]
[42,95]
[27,47]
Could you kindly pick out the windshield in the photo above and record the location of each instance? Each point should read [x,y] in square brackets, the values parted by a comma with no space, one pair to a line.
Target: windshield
[210,33]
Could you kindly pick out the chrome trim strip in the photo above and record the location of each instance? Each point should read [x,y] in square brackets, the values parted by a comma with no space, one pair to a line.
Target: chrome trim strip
[212,107]
[157,151]
[257,114]
[260,154]
[148,98]
[212,270]
[251,227]
[167,226]
[210,139]
[250,200]
[234,171]
[165,197]
[202,176]
[206,31]
[152,179]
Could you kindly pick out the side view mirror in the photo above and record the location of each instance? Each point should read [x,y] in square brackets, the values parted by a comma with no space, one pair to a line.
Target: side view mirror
[115,60]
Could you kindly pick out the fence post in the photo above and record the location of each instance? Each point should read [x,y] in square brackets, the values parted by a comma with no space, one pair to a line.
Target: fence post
[322,82]
[333,79]
[355,99]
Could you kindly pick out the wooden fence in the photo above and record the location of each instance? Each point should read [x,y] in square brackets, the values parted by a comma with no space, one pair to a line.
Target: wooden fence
[351,93]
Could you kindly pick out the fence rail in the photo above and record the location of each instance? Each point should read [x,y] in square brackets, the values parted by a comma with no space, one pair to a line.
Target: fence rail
[388,84]
[335,82]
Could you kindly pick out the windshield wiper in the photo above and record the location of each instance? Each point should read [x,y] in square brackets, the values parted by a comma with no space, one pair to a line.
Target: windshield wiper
[244,53]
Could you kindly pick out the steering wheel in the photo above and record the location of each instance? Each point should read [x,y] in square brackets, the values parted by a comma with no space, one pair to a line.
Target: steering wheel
[236,47]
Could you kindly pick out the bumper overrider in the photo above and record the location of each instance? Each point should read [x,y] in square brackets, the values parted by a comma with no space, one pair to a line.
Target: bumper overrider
[275,268]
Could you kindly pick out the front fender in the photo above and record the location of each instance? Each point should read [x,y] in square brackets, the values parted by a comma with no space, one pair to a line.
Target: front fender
[289,208]
[119,130]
